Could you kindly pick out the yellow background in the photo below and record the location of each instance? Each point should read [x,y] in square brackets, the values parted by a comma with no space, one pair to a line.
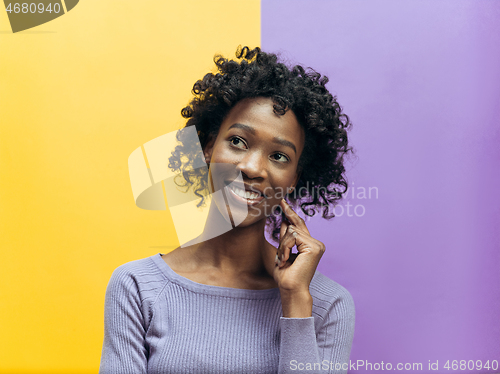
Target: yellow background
[77,96]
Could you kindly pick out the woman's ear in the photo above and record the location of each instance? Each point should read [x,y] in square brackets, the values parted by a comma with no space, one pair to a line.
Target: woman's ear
[207,152]
[299,173]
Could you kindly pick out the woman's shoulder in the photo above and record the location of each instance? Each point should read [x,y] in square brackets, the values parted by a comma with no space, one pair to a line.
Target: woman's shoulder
[327,293]
[143,276]
[144,267]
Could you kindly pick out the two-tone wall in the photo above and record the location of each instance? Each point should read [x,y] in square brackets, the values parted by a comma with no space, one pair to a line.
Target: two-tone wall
[416,242]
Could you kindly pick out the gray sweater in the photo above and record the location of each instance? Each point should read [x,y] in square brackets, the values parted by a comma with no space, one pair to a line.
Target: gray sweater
[158,322]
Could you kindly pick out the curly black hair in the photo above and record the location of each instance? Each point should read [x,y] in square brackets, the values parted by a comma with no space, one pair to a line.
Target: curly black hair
[258,74]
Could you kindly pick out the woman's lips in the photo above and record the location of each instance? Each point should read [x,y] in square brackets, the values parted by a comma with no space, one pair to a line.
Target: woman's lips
[243,200]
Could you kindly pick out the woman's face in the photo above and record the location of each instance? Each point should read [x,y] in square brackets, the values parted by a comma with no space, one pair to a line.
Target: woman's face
[265,147]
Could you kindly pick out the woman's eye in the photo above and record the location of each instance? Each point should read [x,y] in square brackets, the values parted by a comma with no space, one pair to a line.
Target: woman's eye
[237,142]
[280,157]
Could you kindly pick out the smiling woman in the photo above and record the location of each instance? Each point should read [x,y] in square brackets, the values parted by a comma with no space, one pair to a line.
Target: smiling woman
[261,146]
[235,303]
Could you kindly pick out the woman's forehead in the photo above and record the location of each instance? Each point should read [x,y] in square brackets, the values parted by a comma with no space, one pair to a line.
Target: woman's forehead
[259,112]
[257,117]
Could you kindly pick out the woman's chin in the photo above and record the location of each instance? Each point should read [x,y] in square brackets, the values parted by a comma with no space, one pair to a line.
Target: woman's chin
[243,215]
[244,219]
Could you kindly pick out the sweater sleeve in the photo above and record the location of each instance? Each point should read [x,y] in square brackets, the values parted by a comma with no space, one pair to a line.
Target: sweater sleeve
[304,349]
[123,350]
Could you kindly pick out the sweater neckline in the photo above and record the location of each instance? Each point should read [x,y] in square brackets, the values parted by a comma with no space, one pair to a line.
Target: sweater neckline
[209,289]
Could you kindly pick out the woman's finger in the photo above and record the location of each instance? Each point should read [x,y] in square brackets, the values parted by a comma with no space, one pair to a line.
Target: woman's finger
[293,217]
[284,225]
[293,236]
[286,245]
[307,244]
[283,230]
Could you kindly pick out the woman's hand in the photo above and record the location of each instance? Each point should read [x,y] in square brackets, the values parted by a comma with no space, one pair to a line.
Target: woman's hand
[293,272]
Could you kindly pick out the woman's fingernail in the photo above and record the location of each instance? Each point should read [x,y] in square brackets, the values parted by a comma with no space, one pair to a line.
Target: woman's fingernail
[276,261]
[294,234]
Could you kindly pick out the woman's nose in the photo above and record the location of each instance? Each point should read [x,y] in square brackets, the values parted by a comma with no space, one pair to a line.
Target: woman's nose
[253,165]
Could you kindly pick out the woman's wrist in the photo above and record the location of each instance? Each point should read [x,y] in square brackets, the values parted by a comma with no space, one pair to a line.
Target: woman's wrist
[296,304]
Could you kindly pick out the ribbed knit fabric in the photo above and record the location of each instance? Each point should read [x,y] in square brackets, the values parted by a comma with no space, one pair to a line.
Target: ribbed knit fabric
[158,322]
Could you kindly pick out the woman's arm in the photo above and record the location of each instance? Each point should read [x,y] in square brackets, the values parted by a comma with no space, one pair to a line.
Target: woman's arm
[123,350]
[324,348]
[305,347]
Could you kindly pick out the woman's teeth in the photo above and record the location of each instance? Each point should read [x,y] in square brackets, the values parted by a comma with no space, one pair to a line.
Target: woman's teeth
[245,194]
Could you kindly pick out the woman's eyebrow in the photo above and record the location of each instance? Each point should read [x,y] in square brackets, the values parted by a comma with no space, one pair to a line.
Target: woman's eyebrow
[252,131]
[285,143]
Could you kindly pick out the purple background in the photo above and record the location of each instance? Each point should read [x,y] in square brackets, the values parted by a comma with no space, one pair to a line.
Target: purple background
[420,81]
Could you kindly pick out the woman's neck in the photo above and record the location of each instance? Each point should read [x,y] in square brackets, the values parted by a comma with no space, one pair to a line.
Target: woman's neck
[232,250]
[240,249]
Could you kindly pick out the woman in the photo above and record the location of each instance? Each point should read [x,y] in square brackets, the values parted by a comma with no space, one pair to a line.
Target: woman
[235,303]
